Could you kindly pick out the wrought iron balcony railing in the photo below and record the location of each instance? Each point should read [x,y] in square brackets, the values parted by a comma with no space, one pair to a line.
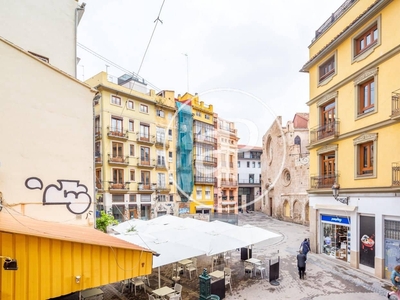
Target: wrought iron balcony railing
[396,174]
[323,182]
[330,130]
[118,133]
[120,160]
[225,182]
[395,105]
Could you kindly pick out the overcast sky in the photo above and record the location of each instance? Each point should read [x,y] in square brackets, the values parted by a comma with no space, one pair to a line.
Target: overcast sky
[242,56]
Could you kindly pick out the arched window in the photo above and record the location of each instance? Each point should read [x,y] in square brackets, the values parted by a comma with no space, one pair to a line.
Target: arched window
[297,140]
[286,209]
[297,210]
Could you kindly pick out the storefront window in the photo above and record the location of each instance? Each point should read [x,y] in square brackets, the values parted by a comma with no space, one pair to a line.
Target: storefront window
[336,237]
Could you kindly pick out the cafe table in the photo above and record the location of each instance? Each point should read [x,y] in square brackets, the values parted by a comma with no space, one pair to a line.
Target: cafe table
[165,290]
[185,262]
[217,274]
[254,261]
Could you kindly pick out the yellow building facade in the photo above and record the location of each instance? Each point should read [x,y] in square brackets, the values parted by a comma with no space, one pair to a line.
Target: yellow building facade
[134,148]
[354,123]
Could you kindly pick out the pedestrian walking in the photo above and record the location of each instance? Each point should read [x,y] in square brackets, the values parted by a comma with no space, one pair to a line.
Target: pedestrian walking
[305,247]
[301,264]
[395,278]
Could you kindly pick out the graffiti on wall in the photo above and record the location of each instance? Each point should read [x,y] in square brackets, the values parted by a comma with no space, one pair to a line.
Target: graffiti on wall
[68,192]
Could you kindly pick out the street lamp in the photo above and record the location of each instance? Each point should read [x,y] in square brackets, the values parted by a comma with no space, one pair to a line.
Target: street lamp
[335,192]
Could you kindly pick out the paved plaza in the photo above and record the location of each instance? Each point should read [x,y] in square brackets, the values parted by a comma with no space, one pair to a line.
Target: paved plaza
[326,278]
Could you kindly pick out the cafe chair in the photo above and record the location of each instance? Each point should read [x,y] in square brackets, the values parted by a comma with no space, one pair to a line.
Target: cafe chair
[227,257]
[178,291]
[228,282]
[151,297]
[124,285]
[227,271]
[248,268]
[192,267]
[174,297]
[261,268]
[137,282]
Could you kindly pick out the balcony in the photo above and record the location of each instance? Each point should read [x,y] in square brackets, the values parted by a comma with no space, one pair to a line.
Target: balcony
[324,132]
[142,163]
[112,185]
[203,180]
[98,159]
[228,183]
[323,182]
[161,165]
[227,128]
[97,133]
[145,139]
[117,133]
[205,139]
[396,174]
[118,160]
[163,189]
[146,188]
[99,185]
[253,156]
[161,143]
[206,160]
[395,105]
[249,182]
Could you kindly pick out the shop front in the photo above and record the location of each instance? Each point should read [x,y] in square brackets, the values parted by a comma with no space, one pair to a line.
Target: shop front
[335,236]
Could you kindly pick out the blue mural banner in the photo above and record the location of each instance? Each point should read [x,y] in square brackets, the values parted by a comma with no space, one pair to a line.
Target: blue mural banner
[336,219]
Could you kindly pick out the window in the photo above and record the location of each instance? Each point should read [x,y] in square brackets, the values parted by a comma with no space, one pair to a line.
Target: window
[118,176]
[327,69]
[97,126]
[198,114]
[198,192]
[259,164]
[327,127]
[97,147]
[328,167]
[208,193]
[171,198]
[98,179]
[365,147]
[366,96]
[367,39]
[144,132]
[161,180]
[160,113]
[170,134]
[132,150]
[130,104]
[160,135]
[248,164]
[207,116]
[132,175]
[254,164]
[160,158]
[115,100]
[117,149]
[161,198]
[132,198]
[169,156]
[144,108]
[366,155]
[145,179]
[116,125]
[238,164]
[131,127]
[145,155]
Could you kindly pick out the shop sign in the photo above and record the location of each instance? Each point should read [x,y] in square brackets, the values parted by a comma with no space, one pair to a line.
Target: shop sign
[336,219]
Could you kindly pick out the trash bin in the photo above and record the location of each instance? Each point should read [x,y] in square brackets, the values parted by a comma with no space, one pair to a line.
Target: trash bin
[243,253]
[214,297]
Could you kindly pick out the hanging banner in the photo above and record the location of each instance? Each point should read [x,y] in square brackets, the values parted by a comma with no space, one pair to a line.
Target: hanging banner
[367,244]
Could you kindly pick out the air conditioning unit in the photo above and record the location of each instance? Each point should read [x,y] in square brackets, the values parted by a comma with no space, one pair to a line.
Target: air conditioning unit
[169,159]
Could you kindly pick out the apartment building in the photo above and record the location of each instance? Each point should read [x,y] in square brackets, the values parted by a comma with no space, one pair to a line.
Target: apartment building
[134,148]
[249,177]
[284,170]
[354,124]
[226,184]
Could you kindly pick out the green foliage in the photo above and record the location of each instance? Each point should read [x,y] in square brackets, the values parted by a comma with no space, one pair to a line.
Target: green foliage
[131,229]
[104,221]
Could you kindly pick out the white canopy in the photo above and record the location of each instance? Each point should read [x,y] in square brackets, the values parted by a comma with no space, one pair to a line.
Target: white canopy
[177,238]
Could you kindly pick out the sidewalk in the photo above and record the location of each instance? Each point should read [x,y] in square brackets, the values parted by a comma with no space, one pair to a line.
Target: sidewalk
[327,278]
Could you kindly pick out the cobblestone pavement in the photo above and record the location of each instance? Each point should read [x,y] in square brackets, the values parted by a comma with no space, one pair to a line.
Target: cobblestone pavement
[326,278]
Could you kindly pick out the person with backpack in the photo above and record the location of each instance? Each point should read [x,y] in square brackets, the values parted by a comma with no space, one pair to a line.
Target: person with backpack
[305,246]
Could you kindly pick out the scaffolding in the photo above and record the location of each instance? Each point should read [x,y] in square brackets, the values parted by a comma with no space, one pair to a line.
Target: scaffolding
[184,155]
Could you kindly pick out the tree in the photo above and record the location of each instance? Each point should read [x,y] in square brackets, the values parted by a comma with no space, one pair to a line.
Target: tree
[104,221]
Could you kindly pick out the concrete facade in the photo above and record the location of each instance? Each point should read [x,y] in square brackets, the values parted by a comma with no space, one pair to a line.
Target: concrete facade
[285,170]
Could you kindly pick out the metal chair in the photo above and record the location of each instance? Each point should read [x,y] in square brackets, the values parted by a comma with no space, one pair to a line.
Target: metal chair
[178,291]
[248,268]
[228,282]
